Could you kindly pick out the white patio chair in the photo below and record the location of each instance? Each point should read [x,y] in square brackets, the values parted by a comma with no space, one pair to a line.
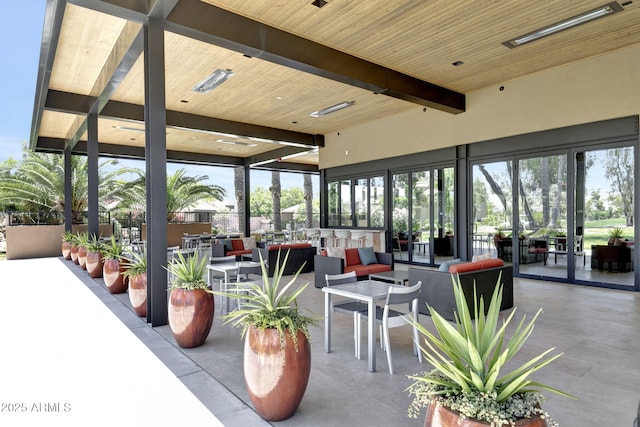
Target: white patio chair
[390,318]
[353,308]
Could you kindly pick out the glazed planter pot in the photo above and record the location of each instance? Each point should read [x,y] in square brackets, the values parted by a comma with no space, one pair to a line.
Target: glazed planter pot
[276,377]
[94,264]
[138,293]
[439,416]
[74,254]
[112,271]
[66,250]
[82,257]
[190,316]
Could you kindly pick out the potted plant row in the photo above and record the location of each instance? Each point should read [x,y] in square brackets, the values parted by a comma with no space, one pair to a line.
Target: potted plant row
[94,261]
[467,385]
[114,267]
[135,273]
[277,353]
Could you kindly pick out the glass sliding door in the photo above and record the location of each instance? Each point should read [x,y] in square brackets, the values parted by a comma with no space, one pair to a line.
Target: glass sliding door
[492,209]
[400,217]
[444,208]
[421,223]
[605,214]
[542,216]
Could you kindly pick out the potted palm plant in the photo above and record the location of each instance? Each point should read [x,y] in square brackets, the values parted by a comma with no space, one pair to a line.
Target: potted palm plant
[74,249]
[191,302]
[135,272]
[67,241]
[82,240]
[94,261]
[467,386]
[614,234]
[114,267]
[277,354]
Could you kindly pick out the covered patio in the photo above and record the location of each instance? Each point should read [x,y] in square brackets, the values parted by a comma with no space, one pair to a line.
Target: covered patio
[87,348]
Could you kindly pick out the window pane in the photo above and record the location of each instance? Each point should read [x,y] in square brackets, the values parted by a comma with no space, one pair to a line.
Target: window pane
[376,202]
[361,202]
[333,200]
[345,204]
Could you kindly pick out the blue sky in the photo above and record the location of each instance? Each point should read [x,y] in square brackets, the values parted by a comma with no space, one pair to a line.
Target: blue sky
[20,38]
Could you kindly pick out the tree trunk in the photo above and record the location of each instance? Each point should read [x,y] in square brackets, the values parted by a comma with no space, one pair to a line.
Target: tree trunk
[238,182]
[562,176]
[494,187]
[544,189]
[276,192]
[308,200]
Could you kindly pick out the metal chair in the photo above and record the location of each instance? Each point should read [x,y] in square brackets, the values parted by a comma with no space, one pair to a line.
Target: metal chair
[390,318]
[353,308]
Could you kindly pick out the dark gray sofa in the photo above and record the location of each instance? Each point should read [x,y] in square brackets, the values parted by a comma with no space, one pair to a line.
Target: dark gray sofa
[437,288]
[299,255]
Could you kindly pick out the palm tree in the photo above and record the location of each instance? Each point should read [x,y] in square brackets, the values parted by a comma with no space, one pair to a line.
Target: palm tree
[36,183]
[182,192]
[276,194]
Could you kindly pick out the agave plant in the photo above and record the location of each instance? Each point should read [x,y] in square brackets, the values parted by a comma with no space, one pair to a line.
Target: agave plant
[271,304]
[187,273]
[136,264]
[113,250]
[468,361]
[68,236]
[94,244]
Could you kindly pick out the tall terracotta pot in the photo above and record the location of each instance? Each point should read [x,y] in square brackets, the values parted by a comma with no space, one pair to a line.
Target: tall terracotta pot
[66,250]
[439,416]
[276,377]
[112,271]
[82,257]
[138,293]
[74,254]
[94,264]
[190,316]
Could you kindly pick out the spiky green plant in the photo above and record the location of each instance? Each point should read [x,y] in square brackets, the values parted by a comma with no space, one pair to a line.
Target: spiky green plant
[188,273]
[616,233]
[94,244]
[271,305]
[136,264]
[68,236]
[113,249]
[82,239]
[468,360]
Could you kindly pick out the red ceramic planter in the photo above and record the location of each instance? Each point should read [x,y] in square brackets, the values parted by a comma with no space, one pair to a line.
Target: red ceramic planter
[438,416]
[190,316]
[82,257]
[276,377]
[66,250]
[138,293]
[94,264]
[112,271]
[74,254]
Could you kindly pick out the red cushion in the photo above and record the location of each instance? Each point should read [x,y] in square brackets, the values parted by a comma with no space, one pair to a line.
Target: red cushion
[237,245]
[289,246]
[365,270]
[478,265]
[241,252]
[351,257]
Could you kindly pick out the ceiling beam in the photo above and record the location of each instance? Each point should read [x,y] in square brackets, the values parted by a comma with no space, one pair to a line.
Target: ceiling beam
[210,24]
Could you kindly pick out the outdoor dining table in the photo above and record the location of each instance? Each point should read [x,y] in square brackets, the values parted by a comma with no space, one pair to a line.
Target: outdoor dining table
[369,291]
[227,268]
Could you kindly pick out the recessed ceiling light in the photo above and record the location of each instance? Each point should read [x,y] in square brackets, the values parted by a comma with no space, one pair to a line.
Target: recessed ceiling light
[457,63]
[319,3]
[602,11]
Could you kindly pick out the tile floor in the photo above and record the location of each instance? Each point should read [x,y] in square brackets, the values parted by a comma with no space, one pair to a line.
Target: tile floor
[598,330]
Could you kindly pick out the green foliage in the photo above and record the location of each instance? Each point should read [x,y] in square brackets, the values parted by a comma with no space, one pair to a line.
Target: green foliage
[269,305]
[136,264]
[68,236]
[82,239]
[187,273]
[94,244]
[616,233]
[468,361]
[113,250]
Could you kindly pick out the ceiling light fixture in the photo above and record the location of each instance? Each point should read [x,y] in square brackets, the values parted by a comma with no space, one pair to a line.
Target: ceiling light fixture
[600,12]
[212,81]
[128,128]
[319,3]
[332,109]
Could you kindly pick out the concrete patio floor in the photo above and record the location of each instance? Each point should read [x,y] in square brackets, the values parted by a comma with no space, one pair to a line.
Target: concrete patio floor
[79,348]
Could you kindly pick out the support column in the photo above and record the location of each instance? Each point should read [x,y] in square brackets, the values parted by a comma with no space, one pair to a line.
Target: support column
[92,177]
[156,171]
[462,217]
[247,201]
[68,191]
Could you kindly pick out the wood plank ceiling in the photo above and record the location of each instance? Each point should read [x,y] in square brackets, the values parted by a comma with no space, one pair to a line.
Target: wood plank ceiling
[294,58]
